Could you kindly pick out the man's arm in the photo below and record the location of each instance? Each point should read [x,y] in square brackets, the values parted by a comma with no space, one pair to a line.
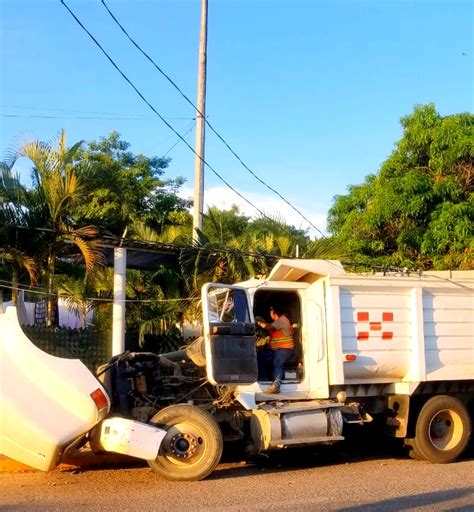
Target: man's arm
[267,326]
[281,323]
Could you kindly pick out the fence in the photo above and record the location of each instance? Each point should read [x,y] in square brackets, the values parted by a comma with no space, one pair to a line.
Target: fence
[94,347]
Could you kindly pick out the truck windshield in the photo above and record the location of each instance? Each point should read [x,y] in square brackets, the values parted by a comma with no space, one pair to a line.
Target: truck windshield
[227,305]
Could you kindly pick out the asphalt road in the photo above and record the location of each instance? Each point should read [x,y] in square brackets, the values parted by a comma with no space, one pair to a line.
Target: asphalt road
[336,479]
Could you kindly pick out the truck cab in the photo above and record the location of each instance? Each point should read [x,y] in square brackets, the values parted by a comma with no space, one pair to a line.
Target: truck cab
[304,303]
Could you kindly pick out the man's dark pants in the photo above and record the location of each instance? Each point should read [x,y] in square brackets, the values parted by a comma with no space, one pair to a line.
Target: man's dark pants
[271,364]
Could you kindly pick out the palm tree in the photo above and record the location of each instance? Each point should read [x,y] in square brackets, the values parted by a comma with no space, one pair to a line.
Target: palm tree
[15,243]
[157,293]
[271,234]
[77,295]
[58,190]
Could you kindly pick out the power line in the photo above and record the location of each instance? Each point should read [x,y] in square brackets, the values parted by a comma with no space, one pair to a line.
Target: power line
[23,287]
[134,245]
[43,116]
[155,111]
[221,138]
[190,128]
[133,116]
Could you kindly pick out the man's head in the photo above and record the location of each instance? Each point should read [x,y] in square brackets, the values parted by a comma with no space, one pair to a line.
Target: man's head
[276,311]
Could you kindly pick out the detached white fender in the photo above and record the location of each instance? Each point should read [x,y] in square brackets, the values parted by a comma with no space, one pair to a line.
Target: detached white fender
[129,437]
[46,402]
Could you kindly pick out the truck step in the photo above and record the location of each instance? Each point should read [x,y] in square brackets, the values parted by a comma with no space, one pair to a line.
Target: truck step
[305,440]
[309,405]
[284,395]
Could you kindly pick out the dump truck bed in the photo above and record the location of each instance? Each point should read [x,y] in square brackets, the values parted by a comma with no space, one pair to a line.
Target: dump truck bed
[401,328]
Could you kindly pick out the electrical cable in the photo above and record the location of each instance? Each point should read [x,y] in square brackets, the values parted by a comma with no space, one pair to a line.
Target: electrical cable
[23,287]
[190,128]
[126,116]
[380,268]
[133,244]
[124,76]
[28,288]
[449,281]
[220,137]
[31,116]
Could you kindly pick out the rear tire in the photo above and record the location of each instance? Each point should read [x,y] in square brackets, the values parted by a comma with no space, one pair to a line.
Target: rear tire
[192,447]
[443,430]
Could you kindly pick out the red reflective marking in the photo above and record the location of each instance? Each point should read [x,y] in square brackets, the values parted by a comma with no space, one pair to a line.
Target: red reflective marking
[100,399]
[363,317]
[387,335]
[362,335]
[375,326]
[387,317]
[351,357]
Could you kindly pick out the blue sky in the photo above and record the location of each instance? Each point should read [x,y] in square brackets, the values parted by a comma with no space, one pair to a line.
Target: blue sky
[308,93]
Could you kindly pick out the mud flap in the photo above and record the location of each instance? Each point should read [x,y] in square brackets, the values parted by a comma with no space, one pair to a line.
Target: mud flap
[396,418]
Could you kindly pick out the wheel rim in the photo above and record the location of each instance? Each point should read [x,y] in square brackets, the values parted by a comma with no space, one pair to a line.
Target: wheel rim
[184,444]
[445,430]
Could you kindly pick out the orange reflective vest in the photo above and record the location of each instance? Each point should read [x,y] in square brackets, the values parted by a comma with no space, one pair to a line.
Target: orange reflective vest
[279,340]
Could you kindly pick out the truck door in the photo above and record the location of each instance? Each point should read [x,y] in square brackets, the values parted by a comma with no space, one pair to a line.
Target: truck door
[229,335]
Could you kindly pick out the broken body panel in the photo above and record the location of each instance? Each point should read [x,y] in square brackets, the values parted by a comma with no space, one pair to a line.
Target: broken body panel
[49,405]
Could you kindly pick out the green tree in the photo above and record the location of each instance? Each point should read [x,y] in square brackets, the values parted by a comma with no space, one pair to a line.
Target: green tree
[233,248]
[418,210]
[272,235]
[16,243]
[77,294]
[128,195]
[221,226]
[57,192]
[124,189]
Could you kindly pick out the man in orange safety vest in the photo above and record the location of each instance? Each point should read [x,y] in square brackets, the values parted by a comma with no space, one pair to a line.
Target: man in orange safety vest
[281,346]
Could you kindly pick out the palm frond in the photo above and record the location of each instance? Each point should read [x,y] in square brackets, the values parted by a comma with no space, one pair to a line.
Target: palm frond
[74,292]
[327,248]
[93,254]
[20,261]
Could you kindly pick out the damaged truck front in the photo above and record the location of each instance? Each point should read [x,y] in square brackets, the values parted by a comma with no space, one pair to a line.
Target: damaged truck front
[397,346]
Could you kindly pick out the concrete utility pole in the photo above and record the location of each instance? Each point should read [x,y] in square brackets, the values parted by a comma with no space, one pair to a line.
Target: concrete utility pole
[118,314]
[200,126]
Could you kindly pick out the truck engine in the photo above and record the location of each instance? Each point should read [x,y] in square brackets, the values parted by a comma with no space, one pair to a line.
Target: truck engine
[142,383]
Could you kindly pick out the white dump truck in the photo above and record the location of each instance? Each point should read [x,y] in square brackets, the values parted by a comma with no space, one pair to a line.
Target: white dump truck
[397,347]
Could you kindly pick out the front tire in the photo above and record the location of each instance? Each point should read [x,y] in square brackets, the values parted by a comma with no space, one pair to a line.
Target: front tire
[443,430]
[193,444]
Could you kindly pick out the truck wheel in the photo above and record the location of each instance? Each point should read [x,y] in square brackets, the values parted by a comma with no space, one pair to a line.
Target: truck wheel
[443,430]
[192,447]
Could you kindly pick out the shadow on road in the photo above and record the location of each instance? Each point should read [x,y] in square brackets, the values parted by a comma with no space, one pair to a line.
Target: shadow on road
[361,445]
[419,500]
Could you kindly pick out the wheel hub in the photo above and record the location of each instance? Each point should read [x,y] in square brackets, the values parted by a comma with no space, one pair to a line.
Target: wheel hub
[445,429]
[183,445]
[440,428]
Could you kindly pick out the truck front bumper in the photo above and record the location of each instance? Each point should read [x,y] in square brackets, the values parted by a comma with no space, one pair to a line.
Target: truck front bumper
[128,437]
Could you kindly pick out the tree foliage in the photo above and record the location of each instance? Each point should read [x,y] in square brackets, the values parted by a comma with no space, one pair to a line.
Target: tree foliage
[418,211]
[124,189]
[99,187]
[17,245]
[48,208]
[78,192]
